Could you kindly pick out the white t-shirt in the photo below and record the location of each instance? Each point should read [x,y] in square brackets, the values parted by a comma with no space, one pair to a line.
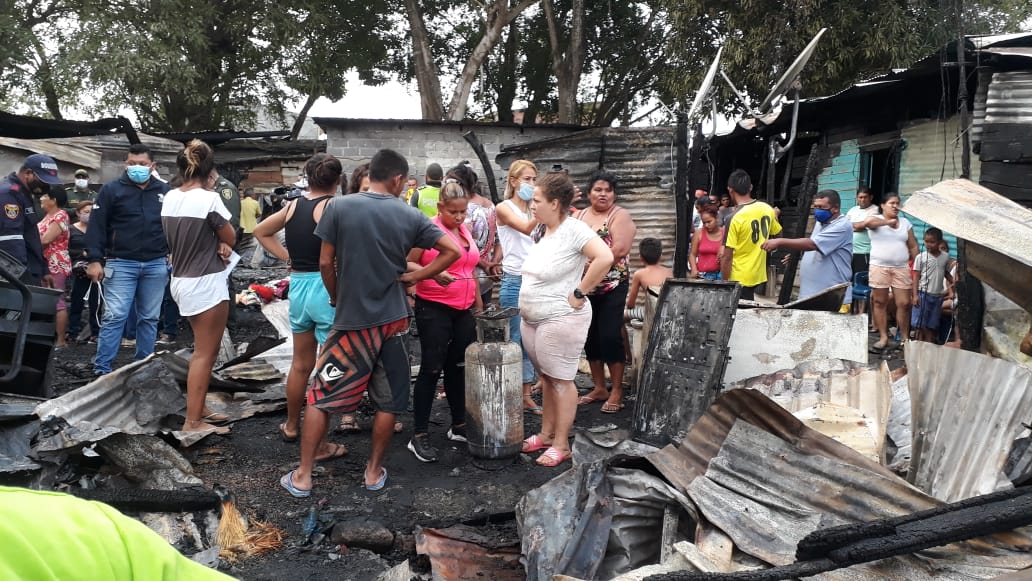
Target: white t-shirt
[933,272]
[515,244]
[861,240]
[553,268]
[889,245]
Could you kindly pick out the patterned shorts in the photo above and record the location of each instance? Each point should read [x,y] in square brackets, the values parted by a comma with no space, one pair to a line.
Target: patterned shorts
[348,362]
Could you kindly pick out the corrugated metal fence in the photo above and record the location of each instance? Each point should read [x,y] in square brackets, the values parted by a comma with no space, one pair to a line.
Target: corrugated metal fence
[641,158]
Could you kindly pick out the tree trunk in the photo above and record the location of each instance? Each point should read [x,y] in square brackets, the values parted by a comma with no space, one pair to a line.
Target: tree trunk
[427,81]
[45,78]
[301,116]
[568,64]
[507,84]
[498,16]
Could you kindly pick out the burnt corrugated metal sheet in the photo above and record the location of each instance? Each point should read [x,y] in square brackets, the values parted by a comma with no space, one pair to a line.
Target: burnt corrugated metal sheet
[765,479]
[1010,98]
[642,159]
[968,409]
[978,215]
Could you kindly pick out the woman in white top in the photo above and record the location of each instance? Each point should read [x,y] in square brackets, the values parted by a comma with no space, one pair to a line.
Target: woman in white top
[893,245]
[515,223]
[200,241]
[556,314]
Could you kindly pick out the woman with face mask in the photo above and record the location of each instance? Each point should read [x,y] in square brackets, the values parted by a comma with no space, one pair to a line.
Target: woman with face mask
[81,282]
[53,231]
[515,223]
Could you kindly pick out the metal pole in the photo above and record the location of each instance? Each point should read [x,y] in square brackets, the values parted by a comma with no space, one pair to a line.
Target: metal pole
[682,207]
[962,96]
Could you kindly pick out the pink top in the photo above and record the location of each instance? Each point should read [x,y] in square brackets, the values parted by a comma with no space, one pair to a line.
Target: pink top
[56,253]
[708,249]
[461,293]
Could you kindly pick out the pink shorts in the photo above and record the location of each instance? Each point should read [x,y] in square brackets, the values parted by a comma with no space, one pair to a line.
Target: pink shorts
[886,276]
[554,345]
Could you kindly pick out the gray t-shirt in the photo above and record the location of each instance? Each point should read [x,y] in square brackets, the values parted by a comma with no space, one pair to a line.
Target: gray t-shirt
[373,235]
[831,263]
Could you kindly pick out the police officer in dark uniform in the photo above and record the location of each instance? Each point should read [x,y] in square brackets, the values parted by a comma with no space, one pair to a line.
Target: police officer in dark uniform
[18,234]
[231,199]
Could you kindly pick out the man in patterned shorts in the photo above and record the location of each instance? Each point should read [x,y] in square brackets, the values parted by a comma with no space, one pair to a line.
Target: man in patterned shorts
[366,239]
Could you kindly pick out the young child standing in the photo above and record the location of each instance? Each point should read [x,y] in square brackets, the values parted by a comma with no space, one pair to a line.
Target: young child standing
[650,250]
[931,278]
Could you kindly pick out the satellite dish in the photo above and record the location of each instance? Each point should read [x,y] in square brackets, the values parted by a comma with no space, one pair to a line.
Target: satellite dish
[790,76]
[707,84]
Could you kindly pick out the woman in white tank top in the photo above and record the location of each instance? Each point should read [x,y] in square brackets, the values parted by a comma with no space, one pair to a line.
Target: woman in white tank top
[515,224]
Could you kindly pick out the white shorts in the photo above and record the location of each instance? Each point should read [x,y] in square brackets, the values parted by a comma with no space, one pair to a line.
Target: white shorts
[555,345]
[196,295]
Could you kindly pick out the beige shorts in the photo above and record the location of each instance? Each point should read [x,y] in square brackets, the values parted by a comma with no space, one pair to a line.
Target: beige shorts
[885,277]
[554,345]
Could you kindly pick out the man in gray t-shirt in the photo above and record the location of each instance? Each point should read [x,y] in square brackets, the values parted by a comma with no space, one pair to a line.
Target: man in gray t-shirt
[366,239]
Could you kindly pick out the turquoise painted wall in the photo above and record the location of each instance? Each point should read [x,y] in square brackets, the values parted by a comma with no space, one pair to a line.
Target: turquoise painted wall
[843,175]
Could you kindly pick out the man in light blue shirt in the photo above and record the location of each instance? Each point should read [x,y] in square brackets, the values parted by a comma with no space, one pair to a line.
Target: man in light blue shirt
[828,252]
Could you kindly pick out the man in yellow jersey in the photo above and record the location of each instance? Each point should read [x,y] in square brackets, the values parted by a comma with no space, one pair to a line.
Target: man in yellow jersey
[753,224]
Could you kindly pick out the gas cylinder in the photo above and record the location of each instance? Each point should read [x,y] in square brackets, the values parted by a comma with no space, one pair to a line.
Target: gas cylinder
[494,388]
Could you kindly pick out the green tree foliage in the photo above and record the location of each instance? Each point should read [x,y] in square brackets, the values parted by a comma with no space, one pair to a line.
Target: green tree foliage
[864,39]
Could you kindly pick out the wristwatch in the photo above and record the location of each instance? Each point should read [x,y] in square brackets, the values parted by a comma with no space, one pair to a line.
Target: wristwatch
[577,294]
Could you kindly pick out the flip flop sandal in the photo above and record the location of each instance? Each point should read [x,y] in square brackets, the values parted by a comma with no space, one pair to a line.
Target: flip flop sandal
[286,481]
[587,399]
[339,451]
[533,444]
[379,483]
[611,408]
[283,434]
[536,410]
[215,418]
[349,426]
[553,457]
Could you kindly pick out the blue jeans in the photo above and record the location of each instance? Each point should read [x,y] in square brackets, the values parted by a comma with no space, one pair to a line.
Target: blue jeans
[169,314]
[509,296]
[130,283]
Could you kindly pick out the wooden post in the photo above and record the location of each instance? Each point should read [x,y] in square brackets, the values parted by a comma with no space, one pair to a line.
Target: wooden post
[682,204]
[805,199]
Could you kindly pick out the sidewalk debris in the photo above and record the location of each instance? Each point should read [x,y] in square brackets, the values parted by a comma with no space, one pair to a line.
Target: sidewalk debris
[460,553]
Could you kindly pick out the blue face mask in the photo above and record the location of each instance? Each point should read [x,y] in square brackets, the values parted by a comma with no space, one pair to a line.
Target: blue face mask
[526,192]
[822,215]
[138,174]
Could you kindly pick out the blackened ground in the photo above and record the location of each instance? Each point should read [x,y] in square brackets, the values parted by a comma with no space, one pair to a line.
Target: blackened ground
[250,461]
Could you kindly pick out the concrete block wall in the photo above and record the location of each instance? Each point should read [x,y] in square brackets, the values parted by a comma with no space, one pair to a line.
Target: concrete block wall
[354,141]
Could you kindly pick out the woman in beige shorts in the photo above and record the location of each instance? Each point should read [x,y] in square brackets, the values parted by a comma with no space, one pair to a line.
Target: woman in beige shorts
[893,246]
[555,313]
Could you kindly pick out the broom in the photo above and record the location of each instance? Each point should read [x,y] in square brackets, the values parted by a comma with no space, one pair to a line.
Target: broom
[235,538]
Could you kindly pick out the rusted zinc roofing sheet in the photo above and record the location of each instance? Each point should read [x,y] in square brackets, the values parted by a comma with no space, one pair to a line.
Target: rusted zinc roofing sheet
[967,410]
[642,158]
[757,473]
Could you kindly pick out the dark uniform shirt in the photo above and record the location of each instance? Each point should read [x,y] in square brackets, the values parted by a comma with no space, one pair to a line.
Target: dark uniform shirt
[18,234]
[228,192]
[75,197]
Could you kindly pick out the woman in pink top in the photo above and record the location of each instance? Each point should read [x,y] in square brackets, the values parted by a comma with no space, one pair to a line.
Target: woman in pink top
[706,243]
[445,321]
[53,231]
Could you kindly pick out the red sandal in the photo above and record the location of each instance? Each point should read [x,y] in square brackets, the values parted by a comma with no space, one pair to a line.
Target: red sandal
[533,444]
[552,457]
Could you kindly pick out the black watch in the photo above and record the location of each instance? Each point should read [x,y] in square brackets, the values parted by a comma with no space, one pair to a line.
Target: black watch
[577,294]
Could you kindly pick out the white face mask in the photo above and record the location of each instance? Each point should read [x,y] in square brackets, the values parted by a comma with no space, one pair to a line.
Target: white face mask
[82,183]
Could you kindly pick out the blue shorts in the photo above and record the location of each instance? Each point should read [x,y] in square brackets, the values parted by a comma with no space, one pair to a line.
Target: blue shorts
[926,314]
[310,305]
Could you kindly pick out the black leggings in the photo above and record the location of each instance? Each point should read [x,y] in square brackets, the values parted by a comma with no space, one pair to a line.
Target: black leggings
[444,334]
[605,336]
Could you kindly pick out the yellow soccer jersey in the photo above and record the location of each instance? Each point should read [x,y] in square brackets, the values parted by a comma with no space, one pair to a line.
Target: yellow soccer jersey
[751,226]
